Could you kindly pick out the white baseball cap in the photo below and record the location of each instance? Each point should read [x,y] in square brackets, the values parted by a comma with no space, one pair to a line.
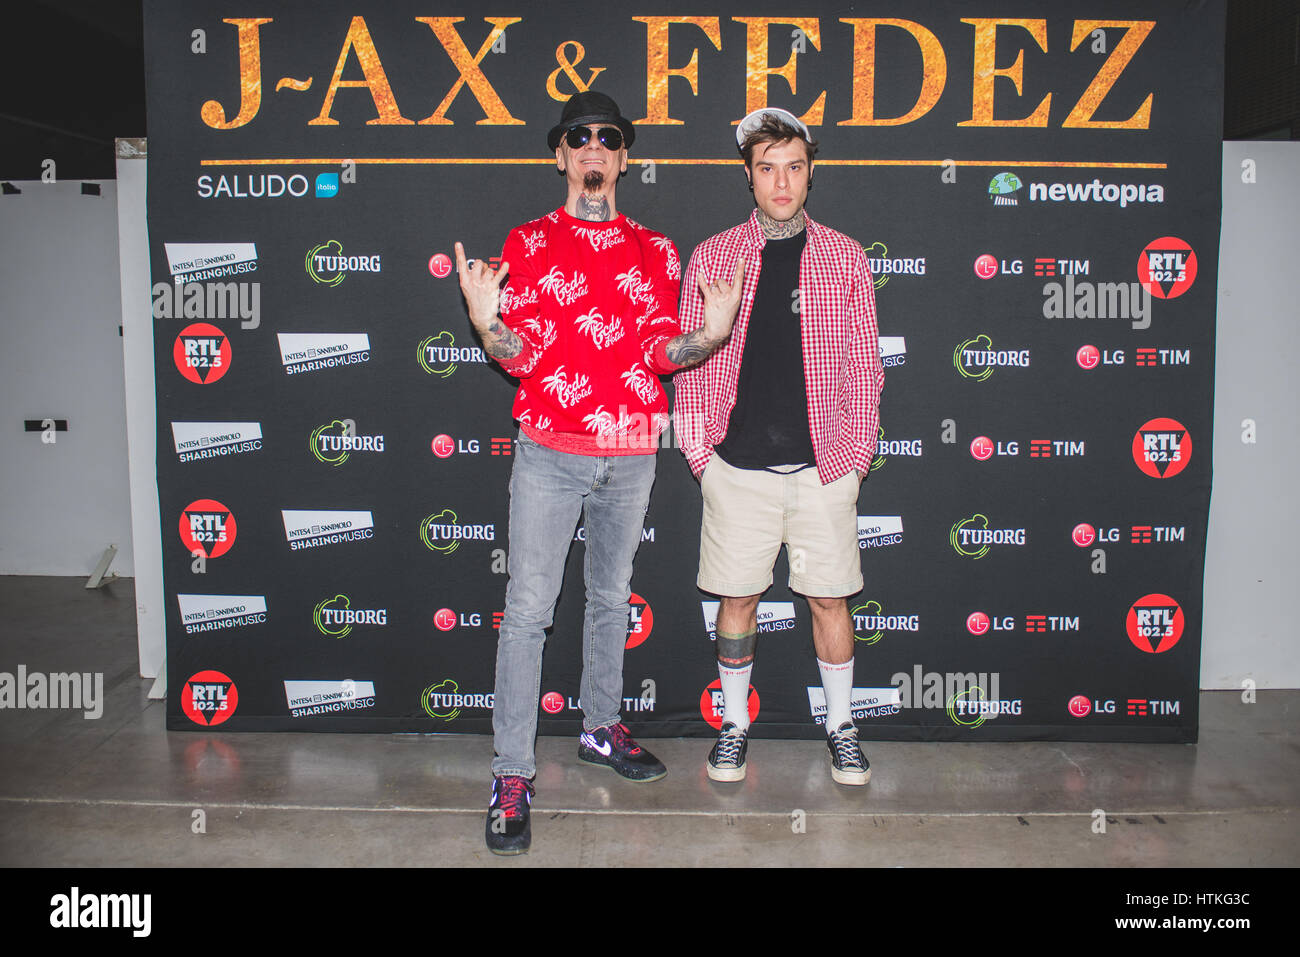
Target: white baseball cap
[754,120]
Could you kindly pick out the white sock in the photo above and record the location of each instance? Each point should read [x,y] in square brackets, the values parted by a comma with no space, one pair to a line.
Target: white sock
[837,682]
[735,695]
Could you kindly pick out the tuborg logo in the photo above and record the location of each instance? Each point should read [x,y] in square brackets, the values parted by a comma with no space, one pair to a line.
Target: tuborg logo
[970,698]
[439,355]
[334,617]
[885,448]
[445,700]
[973,706]
[1003,189]
[208,527]
[870,622]
[332,443]
[1162,448]
[882,266]
[443,532]
[1155,623]
[327,265]
[976,358]
[209,440]
[1167,267]
[202,353]
[972,537]
[712,704]
[209,698]
[200,613]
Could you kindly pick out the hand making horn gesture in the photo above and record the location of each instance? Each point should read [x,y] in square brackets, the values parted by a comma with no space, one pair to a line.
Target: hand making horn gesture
[481,285]
[722,302]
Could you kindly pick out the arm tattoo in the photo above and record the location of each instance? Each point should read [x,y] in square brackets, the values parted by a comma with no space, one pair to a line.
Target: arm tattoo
[594,209]
[500,341]
[691,348]
[775,229]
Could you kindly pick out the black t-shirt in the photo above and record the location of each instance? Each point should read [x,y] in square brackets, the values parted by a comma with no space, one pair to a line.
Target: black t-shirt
[769,423]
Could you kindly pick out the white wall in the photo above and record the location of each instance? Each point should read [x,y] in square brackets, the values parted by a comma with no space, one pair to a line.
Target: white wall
[61,357]
[1252,566]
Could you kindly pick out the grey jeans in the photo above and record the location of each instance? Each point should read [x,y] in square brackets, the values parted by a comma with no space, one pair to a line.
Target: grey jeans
[548,491]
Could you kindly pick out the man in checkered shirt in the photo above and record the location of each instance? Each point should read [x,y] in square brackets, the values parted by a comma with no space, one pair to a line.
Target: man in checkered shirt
[780,426]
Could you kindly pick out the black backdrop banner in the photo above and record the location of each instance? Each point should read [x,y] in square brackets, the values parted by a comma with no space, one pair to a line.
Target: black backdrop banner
[1039,198]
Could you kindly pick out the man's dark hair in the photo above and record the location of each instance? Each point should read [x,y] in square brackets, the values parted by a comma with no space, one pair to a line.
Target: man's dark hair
[773,129]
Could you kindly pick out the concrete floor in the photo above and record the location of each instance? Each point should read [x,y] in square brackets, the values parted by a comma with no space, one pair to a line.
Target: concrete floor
[120,791]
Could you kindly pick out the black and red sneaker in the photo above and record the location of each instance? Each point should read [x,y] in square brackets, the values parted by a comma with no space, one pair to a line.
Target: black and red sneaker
[509,830]
[613,747]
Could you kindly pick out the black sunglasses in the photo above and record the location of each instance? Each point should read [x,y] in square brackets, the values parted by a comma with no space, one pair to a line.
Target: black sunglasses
[611,137]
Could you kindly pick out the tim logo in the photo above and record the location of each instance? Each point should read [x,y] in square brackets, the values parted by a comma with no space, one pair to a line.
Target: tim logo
[1155,623]
[1167,267]
[1162,448]
[202,353]
[712,704]
[209,698]
[208,527]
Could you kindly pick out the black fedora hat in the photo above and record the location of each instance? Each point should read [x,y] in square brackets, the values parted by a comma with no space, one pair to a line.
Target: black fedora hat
[590,107]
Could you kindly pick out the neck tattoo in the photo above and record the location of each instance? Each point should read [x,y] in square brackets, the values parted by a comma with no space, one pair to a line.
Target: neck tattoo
[776,229]
[592,208]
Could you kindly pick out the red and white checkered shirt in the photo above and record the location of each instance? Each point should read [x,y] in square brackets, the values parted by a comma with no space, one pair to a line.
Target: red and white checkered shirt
[841,348]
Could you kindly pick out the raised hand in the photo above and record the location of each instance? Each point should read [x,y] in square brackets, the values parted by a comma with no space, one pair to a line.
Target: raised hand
[481,286]
[722,302]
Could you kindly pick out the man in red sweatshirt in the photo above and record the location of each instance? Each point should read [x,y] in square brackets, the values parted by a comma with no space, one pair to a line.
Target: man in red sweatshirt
[587,321]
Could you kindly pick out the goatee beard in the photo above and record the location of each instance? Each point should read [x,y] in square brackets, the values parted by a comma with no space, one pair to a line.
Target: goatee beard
[593,181]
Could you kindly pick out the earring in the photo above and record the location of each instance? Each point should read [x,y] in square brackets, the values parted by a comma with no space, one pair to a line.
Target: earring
[751,187]
[560,171]
[810,185]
